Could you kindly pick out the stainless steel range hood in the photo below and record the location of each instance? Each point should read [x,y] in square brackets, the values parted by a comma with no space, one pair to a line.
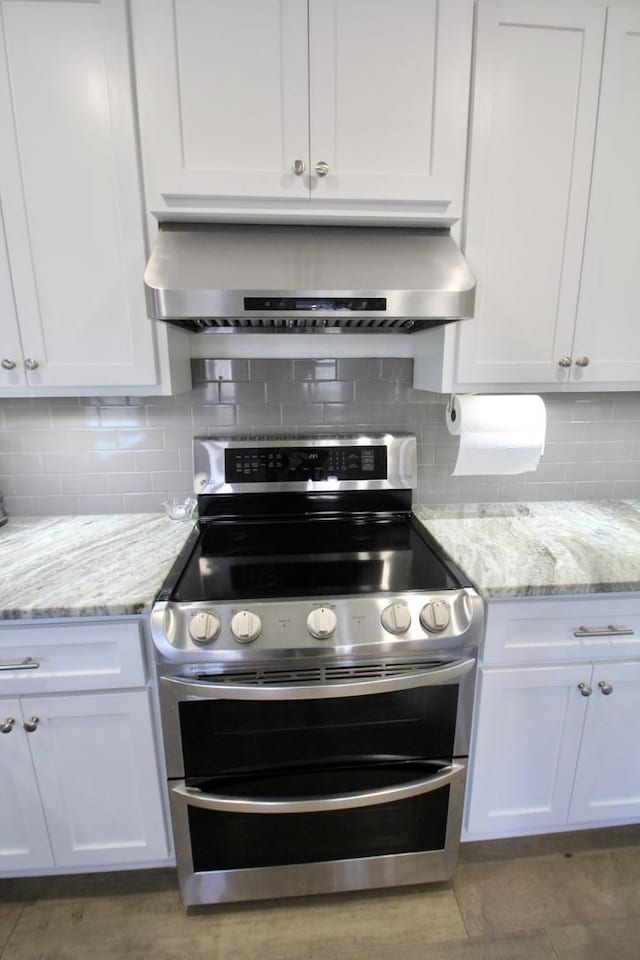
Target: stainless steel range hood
[279,278]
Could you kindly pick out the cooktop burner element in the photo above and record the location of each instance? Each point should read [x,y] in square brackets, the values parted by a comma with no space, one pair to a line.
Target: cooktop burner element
[308,548]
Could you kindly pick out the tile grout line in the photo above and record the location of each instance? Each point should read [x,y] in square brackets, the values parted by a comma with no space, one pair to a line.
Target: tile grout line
[13,930]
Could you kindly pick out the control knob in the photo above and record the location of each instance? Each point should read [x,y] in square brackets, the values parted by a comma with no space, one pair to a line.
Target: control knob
[435,616]
[322,623]
[246,626]
[396,618]
[204,628]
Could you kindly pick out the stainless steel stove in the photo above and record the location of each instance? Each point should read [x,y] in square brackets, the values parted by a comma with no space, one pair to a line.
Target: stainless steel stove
[316,657]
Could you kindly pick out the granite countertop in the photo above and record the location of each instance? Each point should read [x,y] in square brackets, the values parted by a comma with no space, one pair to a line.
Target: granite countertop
[538,549]
[86,566]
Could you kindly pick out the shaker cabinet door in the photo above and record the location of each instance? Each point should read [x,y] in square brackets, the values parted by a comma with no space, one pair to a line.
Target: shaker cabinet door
[607,338]
[11,360]
[24,841]
[70,194]
[223,97]
[388,100]
[534,121]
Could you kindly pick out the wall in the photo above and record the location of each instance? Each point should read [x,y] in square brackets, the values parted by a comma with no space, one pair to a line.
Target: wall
[108,455]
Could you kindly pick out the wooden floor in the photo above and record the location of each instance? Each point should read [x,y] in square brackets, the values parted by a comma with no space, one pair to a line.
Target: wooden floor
[554,898]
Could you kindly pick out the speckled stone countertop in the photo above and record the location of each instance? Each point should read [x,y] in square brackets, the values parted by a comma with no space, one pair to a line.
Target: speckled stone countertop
[85,566]
[537,549]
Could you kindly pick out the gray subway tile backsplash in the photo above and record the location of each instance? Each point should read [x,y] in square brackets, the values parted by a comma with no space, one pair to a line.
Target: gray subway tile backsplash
[128,454]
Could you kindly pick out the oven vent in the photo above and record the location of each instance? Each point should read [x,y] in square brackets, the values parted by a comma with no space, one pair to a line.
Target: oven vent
[330,673]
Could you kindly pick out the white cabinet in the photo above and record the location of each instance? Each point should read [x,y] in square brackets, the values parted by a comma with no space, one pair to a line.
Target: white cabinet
[553,200]
[555,744]
[72,246]
[79,778]
[319,107]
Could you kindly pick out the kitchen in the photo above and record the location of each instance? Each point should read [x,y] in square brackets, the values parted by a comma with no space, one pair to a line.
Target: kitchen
[68,448]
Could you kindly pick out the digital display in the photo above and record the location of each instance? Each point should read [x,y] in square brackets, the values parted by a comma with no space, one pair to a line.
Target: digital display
[295,464]
[361,304]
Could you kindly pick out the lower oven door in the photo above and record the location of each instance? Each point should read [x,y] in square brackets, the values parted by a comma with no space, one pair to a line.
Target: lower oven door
[282,790]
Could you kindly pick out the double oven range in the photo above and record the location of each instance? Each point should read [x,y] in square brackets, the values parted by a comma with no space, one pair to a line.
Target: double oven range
[316,661]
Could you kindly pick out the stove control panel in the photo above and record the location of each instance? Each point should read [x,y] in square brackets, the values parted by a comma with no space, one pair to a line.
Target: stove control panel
[340,626]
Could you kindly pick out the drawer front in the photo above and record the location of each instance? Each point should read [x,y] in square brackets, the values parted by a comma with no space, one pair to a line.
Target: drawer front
[58,658]
[542,630]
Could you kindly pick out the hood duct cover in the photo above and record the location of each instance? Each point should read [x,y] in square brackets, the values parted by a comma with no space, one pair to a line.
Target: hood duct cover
[245,277]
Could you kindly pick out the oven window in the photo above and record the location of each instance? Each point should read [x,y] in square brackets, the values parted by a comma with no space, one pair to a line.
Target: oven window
[228,841]
[222,737]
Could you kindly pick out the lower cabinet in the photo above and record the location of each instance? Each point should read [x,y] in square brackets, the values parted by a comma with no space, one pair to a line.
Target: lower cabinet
[79,778]
[555,747]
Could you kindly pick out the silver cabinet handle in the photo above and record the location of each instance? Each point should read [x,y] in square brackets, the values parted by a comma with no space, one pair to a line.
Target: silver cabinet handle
[347,801]
[7,364]
[564,362]
[322,168]
[298,167]
[585,689]
[31,724]
[31,364]
[605,687]
[325,691]
[27,664]
[7,725]
[609,631]
[582,362]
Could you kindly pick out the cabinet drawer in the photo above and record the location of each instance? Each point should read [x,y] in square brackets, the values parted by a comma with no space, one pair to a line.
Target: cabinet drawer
[68,657]
[606,626]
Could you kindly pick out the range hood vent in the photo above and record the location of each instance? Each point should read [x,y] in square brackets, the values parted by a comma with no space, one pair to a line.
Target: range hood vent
[291,279]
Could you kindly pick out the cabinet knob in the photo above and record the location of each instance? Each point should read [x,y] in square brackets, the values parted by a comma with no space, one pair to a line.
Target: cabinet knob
[322,168]
[564,362]
[585,689]
[32,724]
[31,364]
[7,364]
[605,687]
[298,167]
[7,725]
[582,362]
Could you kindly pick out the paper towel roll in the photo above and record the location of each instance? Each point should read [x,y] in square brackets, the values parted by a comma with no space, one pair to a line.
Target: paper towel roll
[498,434]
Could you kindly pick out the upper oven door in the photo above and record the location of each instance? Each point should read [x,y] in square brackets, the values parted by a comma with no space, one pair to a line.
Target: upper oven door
[221,728]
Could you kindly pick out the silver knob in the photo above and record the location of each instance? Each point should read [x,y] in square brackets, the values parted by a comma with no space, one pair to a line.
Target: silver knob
[31,364]
[32,724]
[322,623]
[585,689]
[396,618]
[322,168]
[435,616]
[7,364]
[298,167]
[204,627]
[582,362]
[564,362]
[246,626]
[7,725]
[605,687]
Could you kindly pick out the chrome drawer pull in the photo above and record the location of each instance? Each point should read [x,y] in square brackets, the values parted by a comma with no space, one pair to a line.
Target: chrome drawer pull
[347,801]
[609,631]
[27,664]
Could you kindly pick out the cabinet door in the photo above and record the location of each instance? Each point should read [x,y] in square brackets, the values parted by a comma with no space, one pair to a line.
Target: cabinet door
[223,99]
[70,192]
[607,328]
[24,841]
[389,86]
[10,346]
[98,778]
[534,115]
[607,785]
[526,741]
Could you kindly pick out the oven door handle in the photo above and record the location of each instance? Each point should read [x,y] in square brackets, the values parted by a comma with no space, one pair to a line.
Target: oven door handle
[228,691]
[347,801]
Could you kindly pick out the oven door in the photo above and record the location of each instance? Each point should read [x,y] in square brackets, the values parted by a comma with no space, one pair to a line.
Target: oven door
[280,789]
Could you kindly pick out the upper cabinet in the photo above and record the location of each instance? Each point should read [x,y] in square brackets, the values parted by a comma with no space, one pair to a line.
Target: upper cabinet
[553,199]
[321,109]
[72,251]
